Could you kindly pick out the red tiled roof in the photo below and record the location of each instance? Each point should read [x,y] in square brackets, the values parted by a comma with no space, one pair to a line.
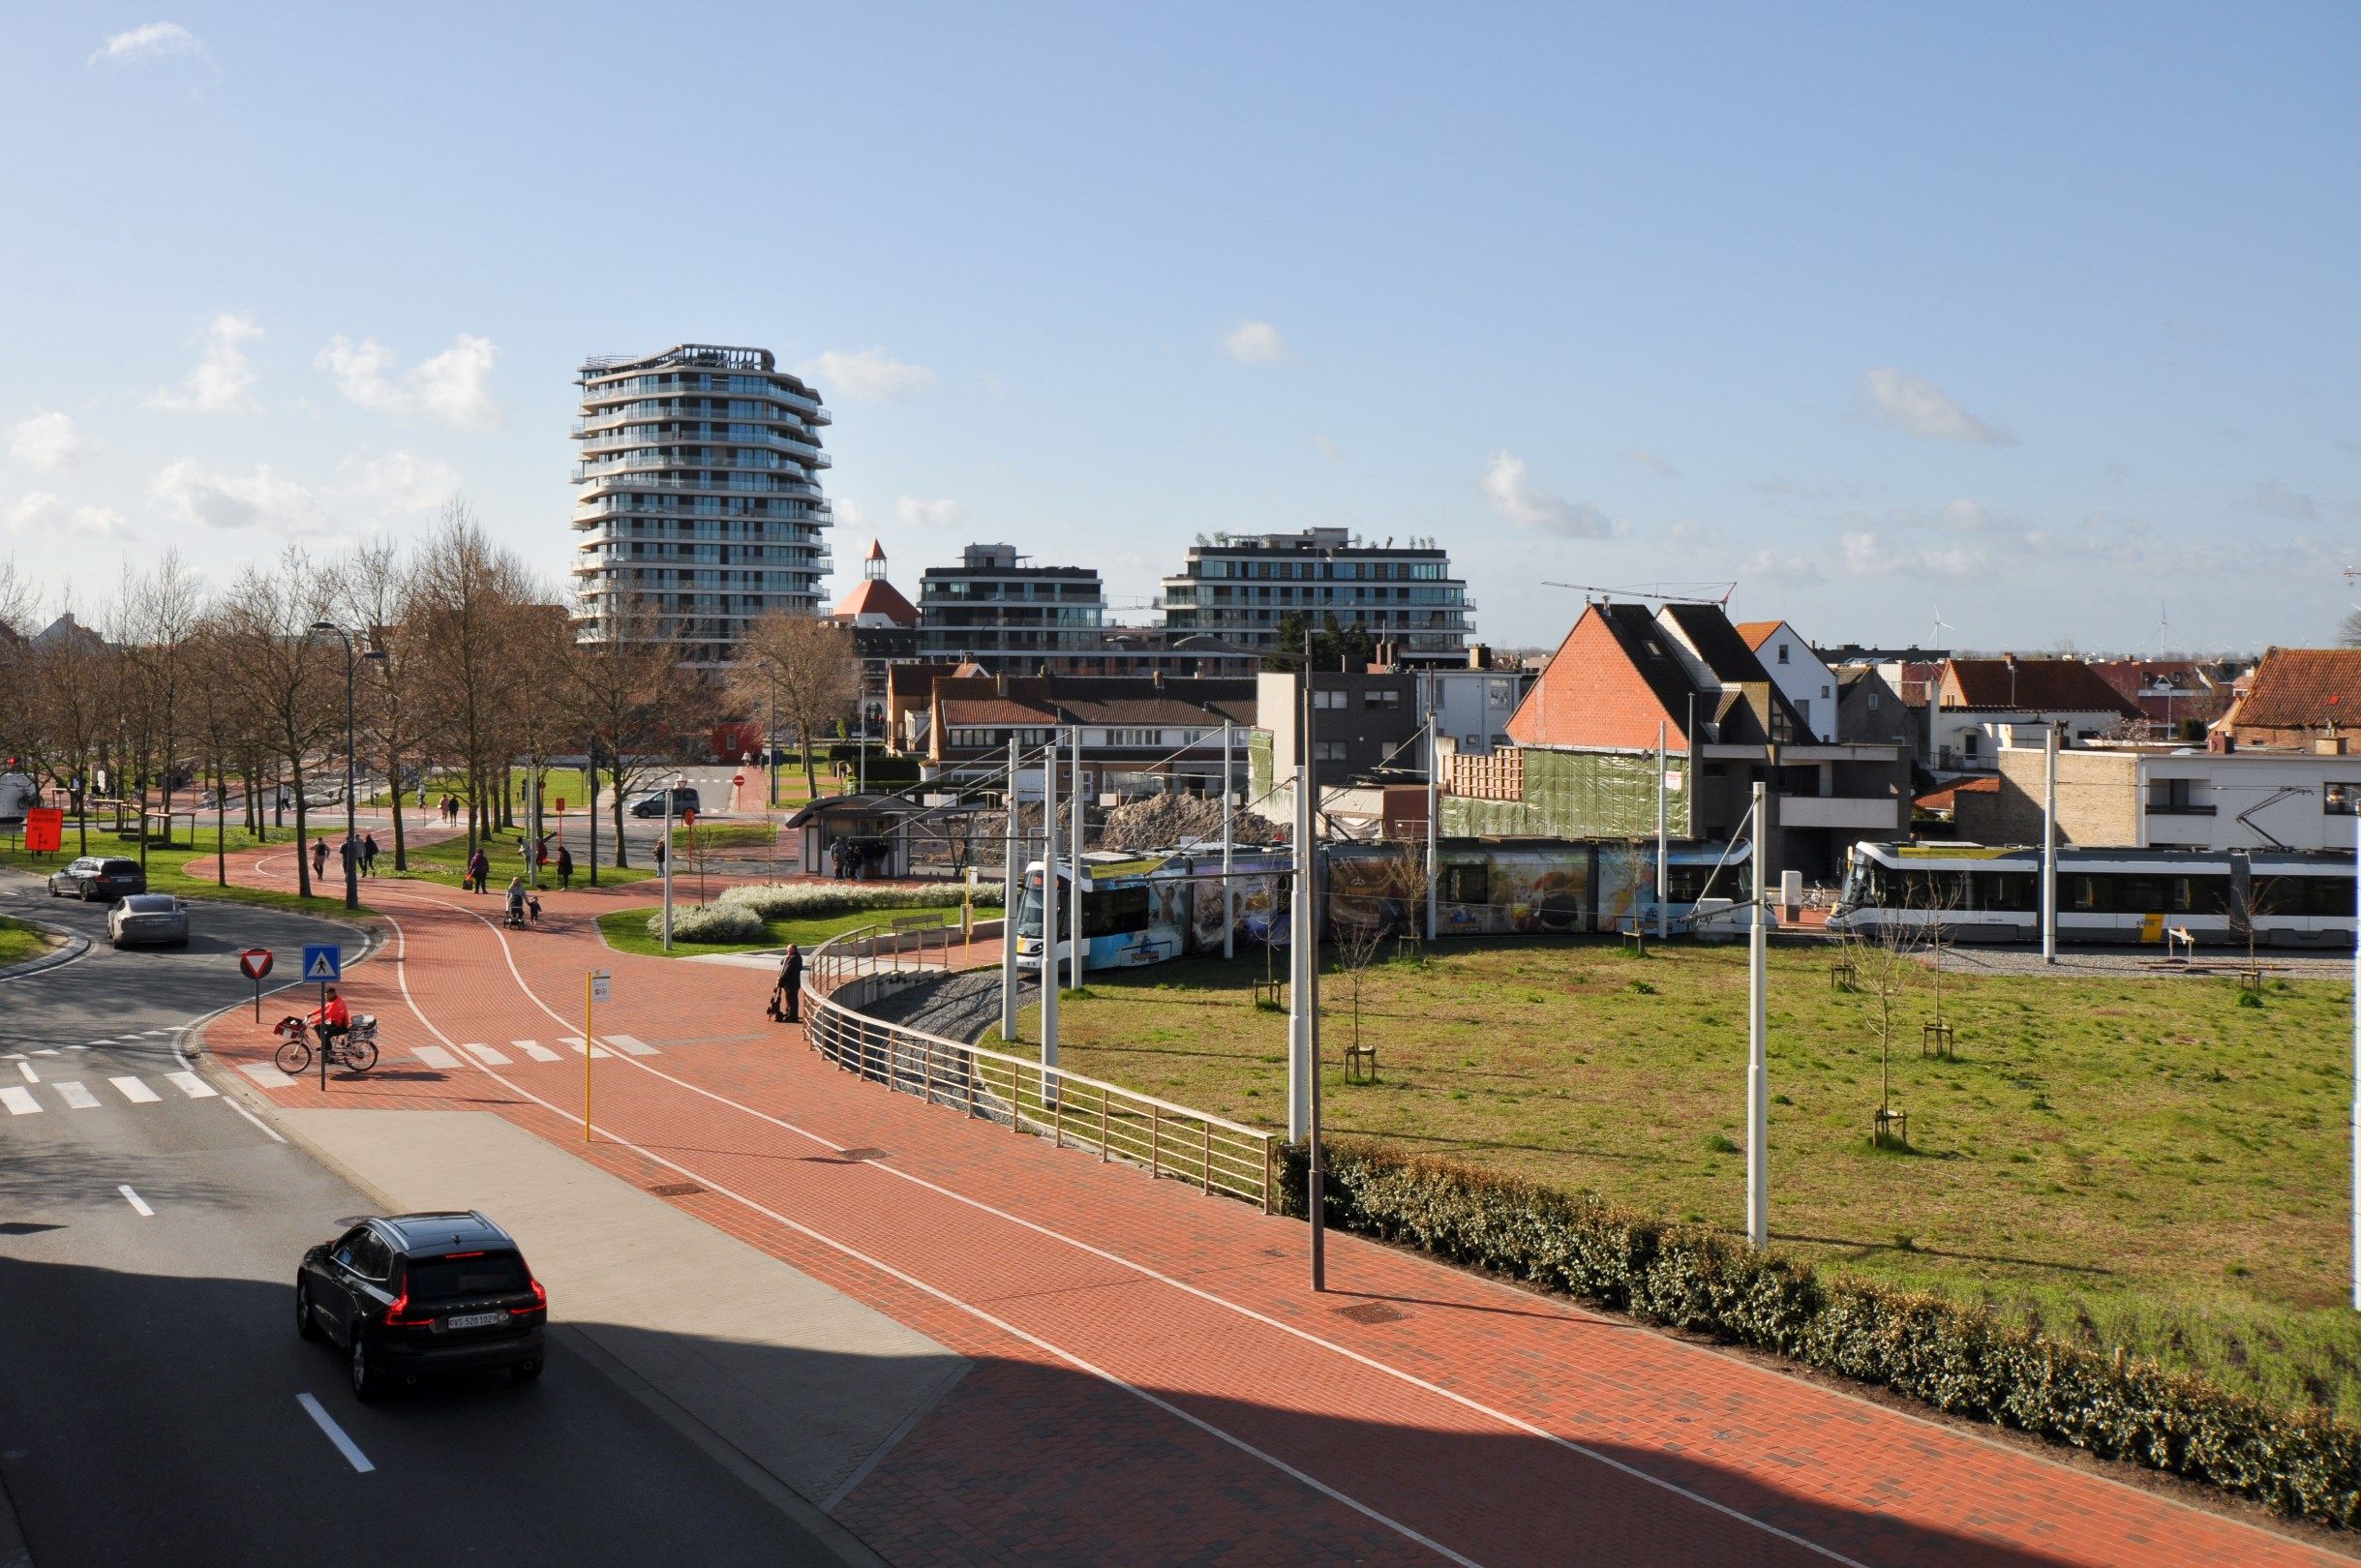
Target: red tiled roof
[1948,798]
[2297,688]
[875,597]
[1755,633]
[2032,687]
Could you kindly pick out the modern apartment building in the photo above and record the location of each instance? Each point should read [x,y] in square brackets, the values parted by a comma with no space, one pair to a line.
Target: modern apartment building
[1240,587]
[699,507]
[1008,618]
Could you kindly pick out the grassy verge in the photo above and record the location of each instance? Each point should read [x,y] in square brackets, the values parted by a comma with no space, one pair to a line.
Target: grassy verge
[188,874]
[723,835]
[626,932]
[19,942]
[2132,1161]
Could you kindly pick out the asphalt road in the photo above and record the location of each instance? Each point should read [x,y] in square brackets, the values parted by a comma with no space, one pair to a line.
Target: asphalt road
[150,1410]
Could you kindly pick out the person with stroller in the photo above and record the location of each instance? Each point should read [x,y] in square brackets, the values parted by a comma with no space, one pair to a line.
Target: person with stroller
[787,995]
[515,919]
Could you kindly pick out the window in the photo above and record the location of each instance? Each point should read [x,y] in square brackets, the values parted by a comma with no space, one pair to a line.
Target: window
[1327,751]
[447,1279]
[2178,796]
[1782,652]
[1380,698]
[2337,799]
[1116,911]
[1873,701]
[1330,698]
[1466,885]
[1825,693]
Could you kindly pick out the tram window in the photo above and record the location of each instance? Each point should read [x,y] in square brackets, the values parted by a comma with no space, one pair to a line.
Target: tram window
[2331,896]
[1466,885]
[2080,894]
[2135,894]
[1115,912]
[2006,890]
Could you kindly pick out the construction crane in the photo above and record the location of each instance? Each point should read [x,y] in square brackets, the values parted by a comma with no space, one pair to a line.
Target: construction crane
[1650,590]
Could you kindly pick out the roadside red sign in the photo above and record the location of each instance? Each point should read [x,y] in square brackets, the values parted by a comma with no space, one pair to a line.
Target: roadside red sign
[690,817]
[562,805]
[738,778]
[45,830]
[255,963]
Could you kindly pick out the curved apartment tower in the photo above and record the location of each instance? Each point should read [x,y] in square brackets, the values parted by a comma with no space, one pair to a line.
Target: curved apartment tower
[699,507]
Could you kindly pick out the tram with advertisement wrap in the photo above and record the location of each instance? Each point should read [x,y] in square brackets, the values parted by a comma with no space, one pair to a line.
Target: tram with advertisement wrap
[2293,898]
[1154,906]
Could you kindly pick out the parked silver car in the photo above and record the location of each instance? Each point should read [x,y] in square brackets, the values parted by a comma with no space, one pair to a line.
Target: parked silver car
[149,921]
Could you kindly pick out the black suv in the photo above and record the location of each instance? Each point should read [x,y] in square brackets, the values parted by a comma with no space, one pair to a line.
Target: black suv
[422,1293]
[94,876]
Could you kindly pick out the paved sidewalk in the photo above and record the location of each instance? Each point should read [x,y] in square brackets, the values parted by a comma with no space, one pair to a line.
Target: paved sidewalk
[1153,1381]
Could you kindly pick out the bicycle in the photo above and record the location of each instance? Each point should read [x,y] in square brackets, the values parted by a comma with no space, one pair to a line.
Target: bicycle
[357,1049]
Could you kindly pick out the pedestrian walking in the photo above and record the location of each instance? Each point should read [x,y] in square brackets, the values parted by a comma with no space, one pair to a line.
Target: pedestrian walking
[349,855]
[565,867]
[659,855]
[787,996]
[368,855]
[479,869]
[320,858]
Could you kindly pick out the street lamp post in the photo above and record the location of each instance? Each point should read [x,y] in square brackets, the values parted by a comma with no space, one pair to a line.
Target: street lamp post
[671,796]
[352,851]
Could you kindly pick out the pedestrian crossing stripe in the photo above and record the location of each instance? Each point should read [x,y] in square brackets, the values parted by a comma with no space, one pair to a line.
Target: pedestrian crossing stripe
[435,1056]
[266,1074]
[75,1097]
[486,1055]
[631,1044]
[78,1096]
[20,1101]
[190,1084]
[536,1050]
[573,1043]
[133,1090]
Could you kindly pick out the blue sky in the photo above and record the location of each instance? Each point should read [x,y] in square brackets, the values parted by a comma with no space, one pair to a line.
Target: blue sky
[2041,315]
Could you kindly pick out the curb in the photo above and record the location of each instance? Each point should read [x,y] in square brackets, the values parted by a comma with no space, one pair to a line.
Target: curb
[75,948]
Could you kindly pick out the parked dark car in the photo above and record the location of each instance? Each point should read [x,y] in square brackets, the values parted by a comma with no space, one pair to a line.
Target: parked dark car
[94,876]
[148,920]
[683,799]
[419,1294]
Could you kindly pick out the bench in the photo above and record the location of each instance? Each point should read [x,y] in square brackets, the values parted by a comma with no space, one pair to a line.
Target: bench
[2180,944]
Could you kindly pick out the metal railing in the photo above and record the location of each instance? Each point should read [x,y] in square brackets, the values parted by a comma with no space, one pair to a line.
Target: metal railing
[1209,1151]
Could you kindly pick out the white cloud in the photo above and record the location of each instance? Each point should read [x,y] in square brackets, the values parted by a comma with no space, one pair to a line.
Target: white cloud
[219,382]
[400,481]
[849,513]
[152,42]
[1529,507]
[262,498]
[455,386]
[1642,457]
[1918,407]
[912,512]
[47,441]
[2275,500]
[871,376]
[1255,343]
[1327,449]
[42,513]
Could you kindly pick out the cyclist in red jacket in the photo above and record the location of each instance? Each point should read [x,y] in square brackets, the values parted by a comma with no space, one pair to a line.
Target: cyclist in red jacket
[331,1018]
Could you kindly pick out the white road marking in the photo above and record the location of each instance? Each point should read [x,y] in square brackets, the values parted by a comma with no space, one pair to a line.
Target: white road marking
[630,1043]
[435,1056]
[486,1055]
[268,1130]
[75,1097]
[573,1043]
[15,1056]
[47,1050]
[30,1076]
[538,1052]
[78,1047]
[137,1092]
[190,1084]
[20,1101]
[266,1073]
[137,1203]
[336,1434]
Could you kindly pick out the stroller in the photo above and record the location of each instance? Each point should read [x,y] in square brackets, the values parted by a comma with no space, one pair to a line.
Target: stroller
[522,910]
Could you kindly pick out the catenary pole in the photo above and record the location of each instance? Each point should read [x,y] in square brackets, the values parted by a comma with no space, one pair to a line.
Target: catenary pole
[1050,980]
[1011,890]
[1663,898]
[1758,1090]
[1229,903]
[2357,1064]
[1073,921]
[2049,844]
[1433,801]
[664,849]
[1299,917]
[1307,941]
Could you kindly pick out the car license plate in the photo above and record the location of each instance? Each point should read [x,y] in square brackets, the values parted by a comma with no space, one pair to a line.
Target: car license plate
[474,1321]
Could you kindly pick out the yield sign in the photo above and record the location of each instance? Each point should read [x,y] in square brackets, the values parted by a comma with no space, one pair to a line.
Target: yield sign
[255,963]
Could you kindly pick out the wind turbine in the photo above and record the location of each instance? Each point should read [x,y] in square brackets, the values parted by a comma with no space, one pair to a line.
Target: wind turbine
[2164,620]
[1941,626]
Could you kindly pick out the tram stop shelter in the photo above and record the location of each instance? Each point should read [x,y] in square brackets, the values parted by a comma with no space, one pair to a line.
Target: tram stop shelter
[866,836]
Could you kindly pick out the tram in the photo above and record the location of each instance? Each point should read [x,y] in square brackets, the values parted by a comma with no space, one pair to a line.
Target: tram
[2293,899]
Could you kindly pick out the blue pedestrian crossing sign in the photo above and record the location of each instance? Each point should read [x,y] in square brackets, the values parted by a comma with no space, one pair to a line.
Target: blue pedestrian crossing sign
[323,963]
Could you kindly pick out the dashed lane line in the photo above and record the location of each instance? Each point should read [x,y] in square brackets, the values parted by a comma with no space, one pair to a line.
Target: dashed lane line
[139,1204]
[335,1433]
[30,1076]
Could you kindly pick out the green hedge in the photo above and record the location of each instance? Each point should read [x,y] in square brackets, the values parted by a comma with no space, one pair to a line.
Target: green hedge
[883,769]
[1960,1359]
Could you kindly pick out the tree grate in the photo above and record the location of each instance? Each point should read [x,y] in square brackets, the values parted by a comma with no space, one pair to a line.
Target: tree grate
[860,1154]
[1373,1312]
[676,1188]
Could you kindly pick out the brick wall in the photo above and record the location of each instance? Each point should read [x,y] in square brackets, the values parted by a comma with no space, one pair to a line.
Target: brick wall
[2098,801]
[1591,696]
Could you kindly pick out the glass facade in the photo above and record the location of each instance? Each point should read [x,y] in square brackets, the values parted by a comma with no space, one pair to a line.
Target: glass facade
[700,496]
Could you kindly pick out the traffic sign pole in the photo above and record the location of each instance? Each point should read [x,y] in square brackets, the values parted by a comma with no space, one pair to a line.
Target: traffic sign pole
[589,988]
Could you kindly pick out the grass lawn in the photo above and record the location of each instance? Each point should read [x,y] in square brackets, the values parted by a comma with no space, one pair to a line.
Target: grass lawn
[2134,1161]
[19,942]
[627,931]
[723,835]
[189,875]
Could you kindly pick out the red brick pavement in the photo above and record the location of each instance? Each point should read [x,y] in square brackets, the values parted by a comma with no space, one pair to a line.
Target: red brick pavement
[1155,1380]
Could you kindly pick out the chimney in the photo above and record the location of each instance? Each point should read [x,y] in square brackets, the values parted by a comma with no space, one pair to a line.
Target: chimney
[1479,656]
[1159,679]
[1000,684]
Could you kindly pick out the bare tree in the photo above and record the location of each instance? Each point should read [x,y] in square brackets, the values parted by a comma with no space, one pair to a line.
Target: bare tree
[267,618]
[633,698]
[220,722]
[806,665]
[1879,961]
[467,606]
[156,617]
[2348,630]
[378,589]
[75,677]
